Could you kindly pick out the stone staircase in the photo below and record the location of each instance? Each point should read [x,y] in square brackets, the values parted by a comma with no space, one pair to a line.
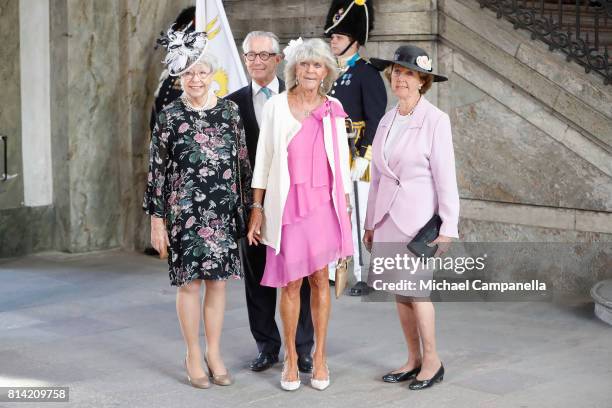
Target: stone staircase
[533,132]
[565,90]
[582,29]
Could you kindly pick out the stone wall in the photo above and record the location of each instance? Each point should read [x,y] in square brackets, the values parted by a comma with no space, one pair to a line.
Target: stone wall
[532,142]
[110,135]
[532,132]
[11,191]
[103,74]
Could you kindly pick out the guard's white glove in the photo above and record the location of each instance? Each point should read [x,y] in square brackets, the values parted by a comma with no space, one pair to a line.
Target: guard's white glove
[359,167]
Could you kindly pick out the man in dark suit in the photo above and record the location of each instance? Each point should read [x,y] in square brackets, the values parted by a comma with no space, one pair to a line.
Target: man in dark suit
[262,56]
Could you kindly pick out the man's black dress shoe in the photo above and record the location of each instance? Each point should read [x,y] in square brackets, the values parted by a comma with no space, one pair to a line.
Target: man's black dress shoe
[263,362]
[360,289]
[403,376]
[305,363]
[421,384]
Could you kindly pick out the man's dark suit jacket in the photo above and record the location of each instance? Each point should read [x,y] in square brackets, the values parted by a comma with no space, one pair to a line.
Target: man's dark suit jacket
[244,99]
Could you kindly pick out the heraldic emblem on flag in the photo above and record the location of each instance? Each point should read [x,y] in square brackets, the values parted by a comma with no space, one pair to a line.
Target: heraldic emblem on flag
[211,18]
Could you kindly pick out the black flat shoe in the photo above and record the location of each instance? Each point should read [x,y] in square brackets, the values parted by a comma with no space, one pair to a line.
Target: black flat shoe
[305,363]
[421,384]
[360,289]
[403,376]
[263,361]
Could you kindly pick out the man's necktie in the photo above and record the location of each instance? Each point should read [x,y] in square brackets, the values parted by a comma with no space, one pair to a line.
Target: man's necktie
[266,92]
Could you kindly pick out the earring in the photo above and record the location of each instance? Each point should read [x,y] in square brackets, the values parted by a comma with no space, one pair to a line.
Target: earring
[296,81]
[321,84]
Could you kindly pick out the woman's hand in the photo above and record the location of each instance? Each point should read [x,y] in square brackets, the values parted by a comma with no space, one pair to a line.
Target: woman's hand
[255,221]
[443,243]
[368,238]
[159,236]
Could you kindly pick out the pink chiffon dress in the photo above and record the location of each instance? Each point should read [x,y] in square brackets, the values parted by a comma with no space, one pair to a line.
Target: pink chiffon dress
[312,235]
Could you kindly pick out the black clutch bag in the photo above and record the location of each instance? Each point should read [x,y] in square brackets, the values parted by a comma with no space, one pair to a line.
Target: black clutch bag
[428,233]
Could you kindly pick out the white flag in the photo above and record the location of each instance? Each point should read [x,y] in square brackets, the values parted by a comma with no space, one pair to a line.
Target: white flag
[230,75]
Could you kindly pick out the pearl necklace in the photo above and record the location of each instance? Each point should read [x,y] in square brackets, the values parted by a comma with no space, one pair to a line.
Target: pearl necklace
[411,111]
[190,106]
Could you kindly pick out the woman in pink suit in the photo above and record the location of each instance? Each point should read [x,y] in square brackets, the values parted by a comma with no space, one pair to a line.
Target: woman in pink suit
[413,178]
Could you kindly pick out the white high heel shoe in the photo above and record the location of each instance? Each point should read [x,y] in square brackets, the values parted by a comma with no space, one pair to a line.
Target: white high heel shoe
[320,384]
[290,385]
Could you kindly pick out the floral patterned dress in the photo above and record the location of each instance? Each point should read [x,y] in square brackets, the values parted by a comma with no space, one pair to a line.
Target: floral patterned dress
[192,184]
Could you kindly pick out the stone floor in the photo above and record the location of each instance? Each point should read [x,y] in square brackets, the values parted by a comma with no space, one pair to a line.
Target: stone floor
[104,324]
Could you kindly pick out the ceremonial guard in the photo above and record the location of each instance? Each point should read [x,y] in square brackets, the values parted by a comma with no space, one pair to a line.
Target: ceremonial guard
[362,93]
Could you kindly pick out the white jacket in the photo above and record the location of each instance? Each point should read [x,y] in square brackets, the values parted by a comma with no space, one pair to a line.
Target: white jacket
[271,173]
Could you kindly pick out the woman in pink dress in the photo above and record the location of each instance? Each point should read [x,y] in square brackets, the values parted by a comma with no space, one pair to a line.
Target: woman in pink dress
[301,185]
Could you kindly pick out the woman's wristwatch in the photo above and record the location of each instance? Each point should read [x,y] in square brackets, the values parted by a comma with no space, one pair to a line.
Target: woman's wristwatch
[257,205]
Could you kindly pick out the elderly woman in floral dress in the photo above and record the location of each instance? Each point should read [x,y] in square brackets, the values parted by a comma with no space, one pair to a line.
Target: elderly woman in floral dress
[198,176]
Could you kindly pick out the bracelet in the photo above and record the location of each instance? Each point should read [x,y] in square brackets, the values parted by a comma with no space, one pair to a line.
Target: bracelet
[257,205]
[349,208]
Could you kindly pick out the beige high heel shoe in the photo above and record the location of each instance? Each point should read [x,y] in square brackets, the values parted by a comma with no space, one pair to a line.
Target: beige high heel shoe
[221,379]
[201,382]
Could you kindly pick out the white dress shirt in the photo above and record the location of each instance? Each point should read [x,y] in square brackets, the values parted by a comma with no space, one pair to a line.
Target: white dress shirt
[259,98]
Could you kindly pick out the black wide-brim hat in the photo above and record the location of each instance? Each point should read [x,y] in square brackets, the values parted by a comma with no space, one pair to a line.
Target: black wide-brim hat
[412,57]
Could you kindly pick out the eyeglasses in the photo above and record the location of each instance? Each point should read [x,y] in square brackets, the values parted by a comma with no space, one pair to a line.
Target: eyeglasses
[189,75]
[264,55]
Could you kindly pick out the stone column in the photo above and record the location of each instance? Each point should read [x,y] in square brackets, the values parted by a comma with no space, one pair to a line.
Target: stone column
[86,95]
